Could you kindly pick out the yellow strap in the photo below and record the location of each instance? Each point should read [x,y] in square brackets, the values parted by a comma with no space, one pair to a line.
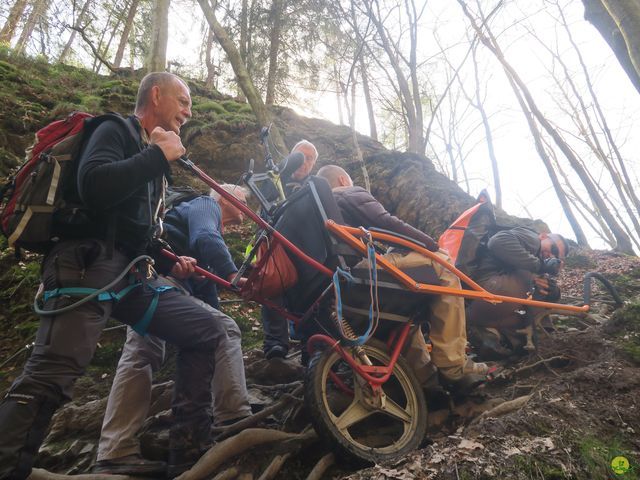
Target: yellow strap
[55,179]
[25,220]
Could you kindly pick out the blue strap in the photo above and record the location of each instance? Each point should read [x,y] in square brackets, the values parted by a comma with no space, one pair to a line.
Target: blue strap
[141,326]
[82,291]
[371,255]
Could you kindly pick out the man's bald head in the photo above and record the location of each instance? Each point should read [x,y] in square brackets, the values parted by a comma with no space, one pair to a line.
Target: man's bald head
[336,176]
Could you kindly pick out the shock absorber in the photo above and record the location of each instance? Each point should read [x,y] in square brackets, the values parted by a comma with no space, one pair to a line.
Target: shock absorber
[347,332]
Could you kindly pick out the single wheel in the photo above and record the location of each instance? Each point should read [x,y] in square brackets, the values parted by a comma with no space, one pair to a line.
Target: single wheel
[357,424]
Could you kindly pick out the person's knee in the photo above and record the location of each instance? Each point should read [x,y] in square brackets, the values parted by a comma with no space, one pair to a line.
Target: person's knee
[230,327]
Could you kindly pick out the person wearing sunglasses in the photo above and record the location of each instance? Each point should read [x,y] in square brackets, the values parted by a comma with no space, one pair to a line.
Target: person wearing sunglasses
[517,262]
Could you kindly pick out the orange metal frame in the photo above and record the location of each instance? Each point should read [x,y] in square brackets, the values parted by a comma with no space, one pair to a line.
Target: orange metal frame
[353,237]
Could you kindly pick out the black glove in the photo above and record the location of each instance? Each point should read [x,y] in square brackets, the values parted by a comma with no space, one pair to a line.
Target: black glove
[550,266]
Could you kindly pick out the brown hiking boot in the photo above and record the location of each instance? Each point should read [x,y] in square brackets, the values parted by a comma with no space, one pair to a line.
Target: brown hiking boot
[462,380]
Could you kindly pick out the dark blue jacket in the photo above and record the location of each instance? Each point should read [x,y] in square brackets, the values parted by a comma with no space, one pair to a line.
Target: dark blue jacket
[194,228]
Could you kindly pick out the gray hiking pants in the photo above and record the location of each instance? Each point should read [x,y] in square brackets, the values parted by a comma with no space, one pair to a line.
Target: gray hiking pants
[130,395]
[66,342]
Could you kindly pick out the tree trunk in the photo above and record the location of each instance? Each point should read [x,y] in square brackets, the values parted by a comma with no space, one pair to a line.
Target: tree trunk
[211,68]
[242,76]
[373,130]
[105,50]
[9,28]
[275,16]
[126,32]
[596,14]
[488,134]
[244,27]
[157,59]
[351,112]
[99,57]
[78,24]
[410,100]
[410,8]
[336,76]
[626,15]
[39,9]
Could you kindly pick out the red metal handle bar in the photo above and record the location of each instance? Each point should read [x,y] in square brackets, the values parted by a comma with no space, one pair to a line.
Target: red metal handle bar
[351,236]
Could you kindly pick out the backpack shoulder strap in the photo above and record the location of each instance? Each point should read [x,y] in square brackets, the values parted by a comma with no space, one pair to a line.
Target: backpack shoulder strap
[126,123]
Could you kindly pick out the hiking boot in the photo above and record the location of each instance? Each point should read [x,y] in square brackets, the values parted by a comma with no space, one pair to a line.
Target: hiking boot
[476,368]
[133,465]
[277,351]
[457,381]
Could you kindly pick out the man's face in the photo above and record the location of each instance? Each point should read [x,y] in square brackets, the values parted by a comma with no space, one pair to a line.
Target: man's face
[230,214]
[551,246]
[304,170]
[173,106]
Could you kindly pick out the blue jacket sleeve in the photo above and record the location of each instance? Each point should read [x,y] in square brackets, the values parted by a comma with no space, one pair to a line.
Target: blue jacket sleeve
[204,220]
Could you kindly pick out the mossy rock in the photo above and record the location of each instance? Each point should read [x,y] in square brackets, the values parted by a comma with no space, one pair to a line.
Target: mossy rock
[210,106]
[92,104]
[8,161]
[232,106]
[8,71]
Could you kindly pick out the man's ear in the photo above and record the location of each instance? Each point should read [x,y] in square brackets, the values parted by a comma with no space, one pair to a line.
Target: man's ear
[343,181]
[543,235]
[155,95]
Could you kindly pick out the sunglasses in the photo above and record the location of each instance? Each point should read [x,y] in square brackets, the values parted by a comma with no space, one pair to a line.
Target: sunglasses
[555,251]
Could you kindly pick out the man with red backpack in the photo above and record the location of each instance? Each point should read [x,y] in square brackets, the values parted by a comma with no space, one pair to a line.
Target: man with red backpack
[121,181]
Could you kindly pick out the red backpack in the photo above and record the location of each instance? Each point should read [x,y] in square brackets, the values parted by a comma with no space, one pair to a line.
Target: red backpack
[465,237]
[39,189]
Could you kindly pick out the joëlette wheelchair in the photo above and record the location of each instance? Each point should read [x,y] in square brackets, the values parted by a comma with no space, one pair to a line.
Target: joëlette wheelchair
[363,397]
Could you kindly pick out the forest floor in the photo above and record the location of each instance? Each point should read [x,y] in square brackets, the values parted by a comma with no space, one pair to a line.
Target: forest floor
[563,412]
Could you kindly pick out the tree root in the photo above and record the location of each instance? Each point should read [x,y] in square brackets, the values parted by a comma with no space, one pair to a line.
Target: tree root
[41,474]
[251,421]
[277,387]
[539,362]
[504,408]
[228,474]
[274,467]
[245,440]
[323,464]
